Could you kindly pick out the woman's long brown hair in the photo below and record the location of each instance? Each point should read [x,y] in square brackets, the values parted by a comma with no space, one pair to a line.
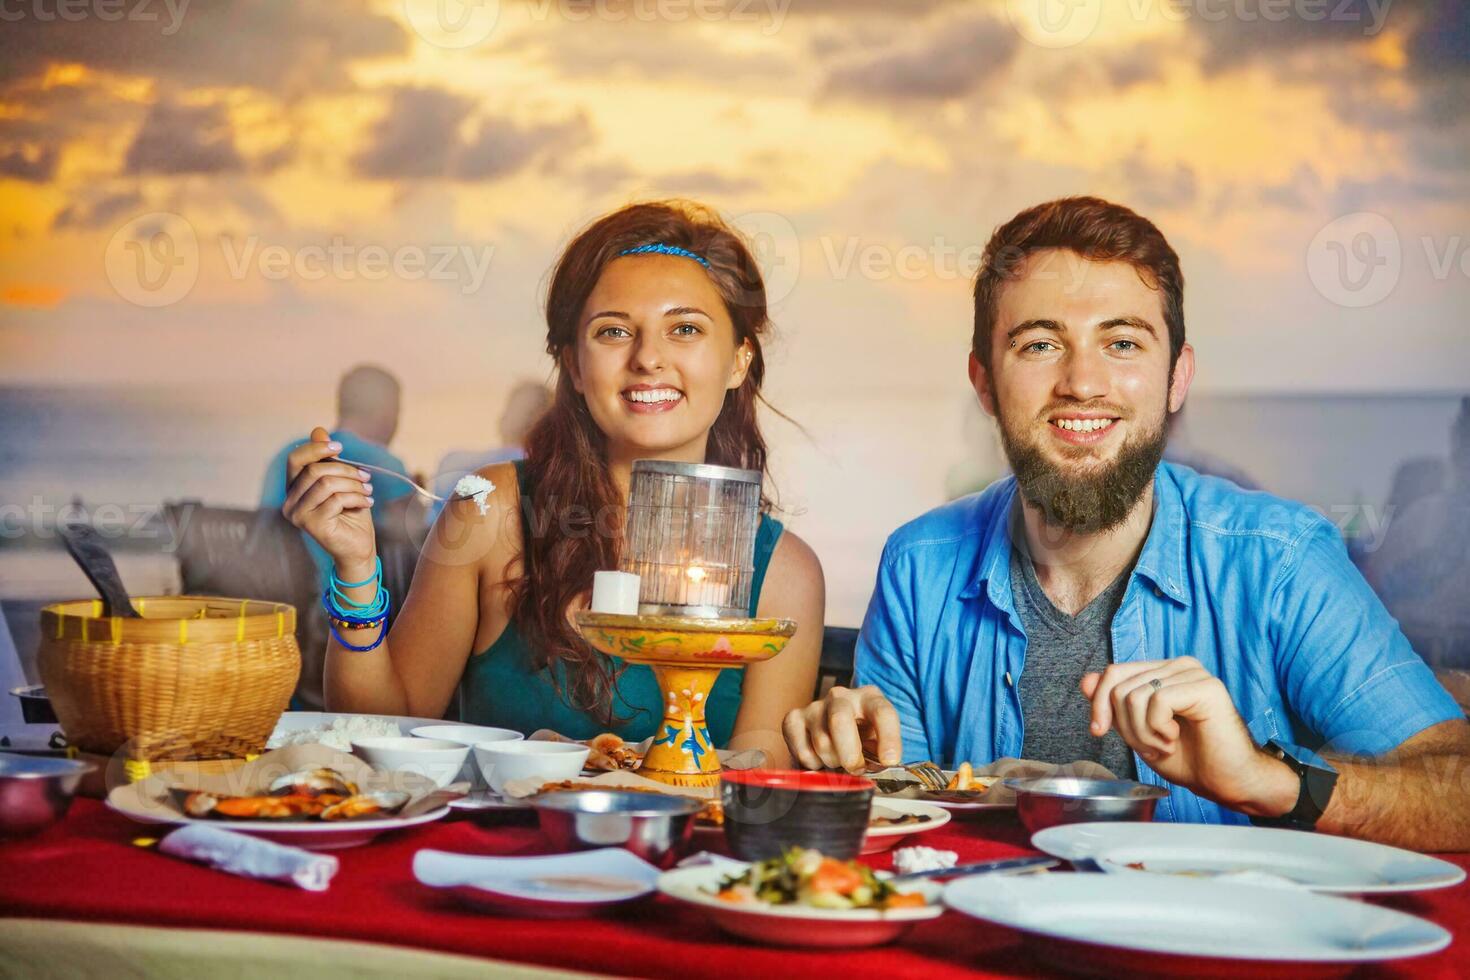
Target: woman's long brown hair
[567,536]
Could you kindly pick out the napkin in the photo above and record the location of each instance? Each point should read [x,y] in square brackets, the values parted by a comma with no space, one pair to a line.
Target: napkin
[251,857]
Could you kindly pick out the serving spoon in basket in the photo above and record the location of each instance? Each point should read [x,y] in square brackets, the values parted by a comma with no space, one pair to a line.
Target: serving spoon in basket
[89,551]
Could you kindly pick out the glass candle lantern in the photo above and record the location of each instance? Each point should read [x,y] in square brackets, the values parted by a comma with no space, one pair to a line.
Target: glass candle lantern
[691,538]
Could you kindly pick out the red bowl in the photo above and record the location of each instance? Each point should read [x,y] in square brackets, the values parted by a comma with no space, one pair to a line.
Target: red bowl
[798,779]
[768,811]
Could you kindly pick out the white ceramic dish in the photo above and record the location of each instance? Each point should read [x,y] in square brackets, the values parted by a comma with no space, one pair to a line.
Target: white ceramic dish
[958,807]
[1157,919]
[881,839]
[300,721]
[796,925]
[501,762]
[435,759]
[1318,862]
[313,836]
[557,886]
[468,735]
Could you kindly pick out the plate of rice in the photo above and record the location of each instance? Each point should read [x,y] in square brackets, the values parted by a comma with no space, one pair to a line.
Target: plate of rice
[338,730]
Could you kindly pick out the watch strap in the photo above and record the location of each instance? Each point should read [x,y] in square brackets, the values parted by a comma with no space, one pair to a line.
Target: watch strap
[1316,786]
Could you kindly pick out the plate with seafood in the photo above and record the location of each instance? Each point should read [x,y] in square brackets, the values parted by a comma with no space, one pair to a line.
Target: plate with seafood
[307,795]
[965,790]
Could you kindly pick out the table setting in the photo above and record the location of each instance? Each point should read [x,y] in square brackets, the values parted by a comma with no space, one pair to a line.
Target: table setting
[669,857]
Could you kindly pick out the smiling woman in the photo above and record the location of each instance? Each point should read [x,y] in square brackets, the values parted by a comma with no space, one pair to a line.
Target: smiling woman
[655,315]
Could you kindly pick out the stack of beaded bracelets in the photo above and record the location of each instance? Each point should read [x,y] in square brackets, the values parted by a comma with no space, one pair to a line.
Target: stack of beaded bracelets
[357,615]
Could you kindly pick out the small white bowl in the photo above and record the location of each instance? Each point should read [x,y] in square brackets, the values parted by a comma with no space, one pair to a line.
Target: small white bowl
[468,735]
[501,762]
[438,759]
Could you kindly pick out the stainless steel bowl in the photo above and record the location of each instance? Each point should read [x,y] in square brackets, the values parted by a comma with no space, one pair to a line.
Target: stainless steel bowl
[1052,800]
[656,828]
[36,791]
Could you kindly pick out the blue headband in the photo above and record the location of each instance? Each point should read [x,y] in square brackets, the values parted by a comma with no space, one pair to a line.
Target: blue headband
[659,248]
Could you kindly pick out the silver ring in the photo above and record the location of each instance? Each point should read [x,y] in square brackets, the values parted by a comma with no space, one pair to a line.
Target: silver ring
[1155,683]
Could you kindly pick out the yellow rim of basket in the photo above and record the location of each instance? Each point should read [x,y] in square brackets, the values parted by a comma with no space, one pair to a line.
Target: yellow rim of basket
[234,620]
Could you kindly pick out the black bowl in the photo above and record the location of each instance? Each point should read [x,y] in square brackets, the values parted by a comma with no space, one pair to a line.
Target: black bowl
[35,706]
[770,810]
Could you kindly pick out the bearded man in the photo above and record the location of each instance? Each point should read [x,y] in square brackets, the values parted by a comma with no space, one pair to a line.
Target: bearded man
[1103,605]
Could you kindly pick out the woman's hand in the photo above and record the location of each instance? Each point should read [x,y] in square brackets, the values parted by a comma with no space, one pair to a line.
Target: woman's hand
[332,501]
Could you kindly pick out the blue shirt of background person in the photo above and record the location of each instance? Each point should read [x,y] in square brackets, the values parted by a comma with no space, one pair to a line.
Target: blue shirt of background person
[368,400]
[1259,589]
[524,406]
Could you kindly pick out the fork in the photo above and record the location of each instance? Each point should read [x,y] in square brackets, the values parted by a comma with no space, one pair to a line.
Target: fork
[394,473]
[930,776]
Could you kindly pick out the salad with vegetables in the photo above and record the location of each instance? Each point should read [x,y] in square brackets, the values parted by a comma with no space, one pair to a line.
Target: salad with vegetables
[804,877]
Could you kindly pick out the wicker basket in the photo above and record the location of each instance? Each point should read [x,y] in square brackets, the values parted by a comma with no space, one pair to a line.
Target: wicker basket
[195,678]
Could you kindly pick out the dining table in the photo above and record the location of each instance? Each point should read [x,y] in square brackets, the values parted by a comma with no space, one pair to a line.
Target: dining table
[89,873]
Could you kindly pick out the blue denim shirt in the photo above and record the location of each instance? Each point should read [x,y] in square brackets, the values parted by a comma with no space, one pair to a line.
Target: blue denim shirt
[1259,589]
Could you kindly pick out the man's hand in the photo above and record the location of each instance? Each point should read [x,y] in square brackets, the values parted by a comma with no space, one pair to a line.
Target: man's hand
[1180,719]
[835,732]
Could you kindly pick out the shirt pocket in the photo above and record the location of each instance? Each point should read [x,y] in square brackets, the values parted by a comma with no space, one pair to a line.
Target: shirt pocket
[1263,727]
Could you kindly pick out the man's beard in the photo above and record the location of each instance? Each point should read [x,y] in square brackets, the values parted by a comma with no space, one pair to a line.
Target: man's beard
[1098,499]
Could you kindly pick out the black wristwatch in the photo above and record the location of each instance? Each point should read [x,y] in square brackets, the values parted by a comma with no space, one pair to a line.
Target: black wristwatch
[1318,779]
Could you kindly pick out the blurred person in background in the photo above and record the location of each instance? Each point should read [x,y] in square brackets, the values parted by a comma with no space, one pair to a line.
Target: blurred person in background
[368,403]
[525,405]
[1421,570]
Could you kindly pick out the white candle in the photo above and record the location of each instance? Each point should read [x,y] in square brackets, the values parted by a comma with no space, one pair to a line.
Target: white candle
[615,592]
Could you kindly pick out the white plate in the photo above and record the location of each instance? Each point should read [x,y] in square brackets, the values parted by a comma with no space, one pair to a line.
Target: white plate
[327,835]
[796,925]
[957,806]
[1189,917]
[883,838]
[299,721]
[558,886]
[1316,861]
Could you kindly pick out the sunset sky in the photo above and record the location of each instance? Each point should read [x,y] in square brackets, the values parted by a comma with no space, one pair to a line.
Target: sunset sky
[1307,159]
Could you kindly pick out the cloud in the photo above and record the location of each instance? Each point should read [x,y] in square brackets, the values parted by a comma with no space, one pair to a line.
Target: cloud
[29,163]
[698,182]
[97,212]
[281,46]
[1257,31]
[1169,188]
[423,135]
[416,137]
[184,139]
[952,58]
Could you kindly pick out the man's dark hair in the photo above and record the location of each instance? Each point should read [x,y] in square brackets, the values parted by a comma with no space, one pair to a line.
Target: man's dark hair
[1095,229]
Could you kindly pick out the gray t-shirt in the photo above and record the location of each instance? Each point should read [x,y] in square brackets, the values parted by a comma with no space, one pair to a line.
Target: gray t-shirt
[1059,650]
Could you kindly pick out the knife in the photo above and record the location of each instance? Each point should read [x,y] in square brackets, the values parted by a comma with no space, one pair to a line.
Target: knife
[984,867]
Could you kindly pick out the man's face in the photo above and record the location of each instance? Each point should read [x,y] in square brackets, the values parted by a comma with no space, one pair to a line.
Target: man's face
[1079,383]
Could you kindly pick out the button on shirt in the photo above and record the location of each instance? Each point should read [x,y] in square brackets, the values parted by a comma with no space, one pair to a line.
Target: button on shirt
[1258,589]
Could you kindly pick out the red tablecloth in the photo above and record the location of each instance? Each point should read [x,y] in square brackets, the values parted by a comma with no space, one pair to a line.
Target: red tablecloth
[87,868]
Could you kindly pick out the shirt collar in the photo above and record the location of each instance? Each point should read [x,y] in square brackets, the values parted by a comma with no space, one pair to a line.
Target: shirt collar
[1162,560]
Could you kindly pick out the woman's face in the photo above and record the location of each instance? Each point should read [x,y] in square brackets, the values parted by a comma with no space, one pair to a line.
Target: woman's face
[655,354]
